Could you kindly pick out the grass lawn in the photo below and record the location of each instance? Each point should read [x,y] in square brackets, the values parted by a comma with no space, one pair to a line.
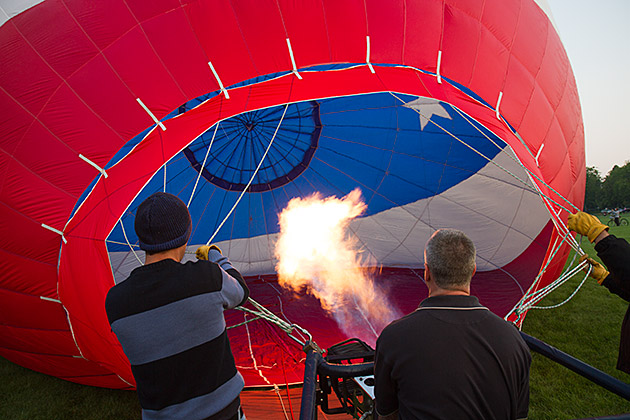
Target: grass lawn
[587,327]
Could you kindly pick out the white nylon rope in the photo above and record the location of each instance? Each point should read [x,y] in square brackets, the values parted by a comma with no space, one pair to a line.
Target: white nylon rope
[128,243]
[251,353]
[203,165]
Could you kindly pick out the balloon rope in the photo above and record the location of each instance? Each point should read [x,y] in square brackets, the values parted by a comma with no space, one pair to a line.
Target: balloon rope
[128,243]
[203,165]
[529,300]
[252,178]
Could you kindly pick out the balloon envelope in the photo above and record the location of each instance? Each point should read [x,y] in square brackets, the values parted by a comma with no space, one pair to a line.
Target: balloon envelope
[444,114]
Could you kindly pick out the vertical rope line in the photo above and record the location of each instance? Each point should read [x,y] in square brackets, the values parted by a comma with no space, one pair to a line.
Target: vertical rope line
[252,178]
[203,165]
[127,240]
[164,176]
[251,353]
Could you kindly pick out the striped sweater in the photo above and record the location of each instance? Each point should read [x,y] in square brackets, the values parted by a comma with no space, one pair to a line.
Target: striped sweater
[168,317]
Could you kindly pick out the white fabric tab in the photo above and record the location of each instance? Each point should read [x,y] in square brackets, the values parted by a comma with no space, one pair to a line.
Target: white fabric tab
[216,76]
[98,168]
[542,146]
[367,55]
[439,64]
[498,104]
[148,111]
[52,229]
[293,59]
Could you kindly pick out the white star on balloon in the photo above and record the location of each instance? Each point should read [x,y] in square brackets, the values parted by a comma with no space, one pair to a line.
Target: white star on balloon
[427,108]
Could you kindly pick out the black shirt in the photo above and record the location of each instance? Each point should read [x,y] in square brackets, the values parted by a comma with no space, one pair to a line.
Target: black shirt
[615,253]
[452,359]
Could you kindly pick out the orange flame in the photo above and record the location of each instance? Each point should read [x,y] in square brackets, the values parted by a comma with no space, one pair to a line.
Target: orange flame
[316,252]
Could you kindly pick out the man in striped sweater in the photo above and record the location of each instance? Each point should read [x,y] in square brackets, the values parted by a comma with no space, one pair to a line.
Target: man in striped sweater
[168,317]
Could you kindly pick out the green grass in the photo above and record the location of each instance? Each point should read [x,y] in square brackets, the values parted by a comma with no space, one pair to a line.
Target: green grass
[25,394]
[587,327]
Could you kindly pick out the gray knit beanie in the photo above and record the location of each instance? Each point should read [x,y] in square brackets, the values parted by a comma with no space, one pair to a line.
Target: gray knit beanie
[162,222]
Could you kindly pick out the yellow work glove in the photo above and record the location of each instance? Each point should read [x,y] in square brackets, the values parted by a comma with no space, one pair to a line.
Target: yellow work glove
[586,224]
[202,251]
[599,273]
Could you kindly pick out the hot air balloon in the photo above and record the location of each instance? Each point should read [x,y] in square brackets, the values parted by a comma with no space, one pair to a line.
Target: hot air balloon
[453,113]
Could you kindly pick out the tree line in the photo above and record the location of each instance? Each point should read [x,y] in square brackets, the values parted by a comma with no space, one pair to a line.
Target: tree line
[607,192]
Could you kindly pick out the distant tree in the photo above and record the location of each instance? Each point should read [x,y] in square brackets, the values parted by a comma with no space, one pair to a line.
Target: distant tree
[593,194]
[616,187]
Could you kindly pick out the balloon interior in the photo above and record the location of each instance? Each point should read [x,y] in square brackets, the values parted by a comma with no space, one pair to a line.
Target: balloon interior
[383,121]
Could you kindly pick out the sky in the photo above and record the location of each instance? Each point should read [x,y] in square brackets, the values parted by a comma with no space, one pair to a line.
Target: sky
[596,36]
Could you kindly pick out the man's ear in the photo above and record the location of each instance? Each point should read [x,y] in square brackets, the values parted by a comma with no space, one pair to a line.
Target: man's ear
[475,270]
[427,272]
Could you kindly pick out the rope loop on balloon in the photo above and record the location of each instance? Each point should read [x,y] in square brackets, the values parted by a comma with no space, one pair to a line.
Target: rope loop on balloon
[260,312]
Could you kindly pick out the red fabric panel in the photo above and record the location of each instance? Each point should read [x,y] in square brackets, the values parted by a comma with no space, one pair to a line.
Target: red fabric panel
[345,21]
[423,28]
[517,91]
[554,154]
[85,305]
[68,118]
[387,31]
[38,341]
[181,55]
[103,22]
[14,122]
[472,8]
[531,37]
[554,71]
[307,31]
[537,120]
[19,273]
[141,70]
[17,233]
[569,115]
[97,80]
[488,71]
[50,40]
[462,32]
[500,18]
[25,311]
[233,63]
[265,38]
[144,10]
[32,87]
[20,185]
[55,168]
